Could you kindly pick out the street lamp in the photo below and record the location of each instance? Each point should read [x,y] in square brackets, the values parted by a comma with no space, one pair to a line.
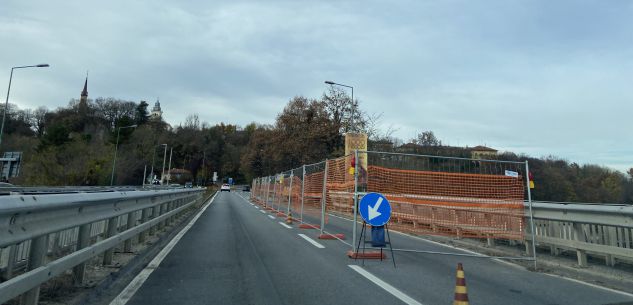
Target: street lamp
[6,104]
[153,157]
[116,148]
[329,82]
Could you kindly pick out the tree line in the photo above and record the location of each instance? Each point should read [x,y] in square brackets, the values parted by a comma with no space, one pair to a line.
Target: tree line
[75,145]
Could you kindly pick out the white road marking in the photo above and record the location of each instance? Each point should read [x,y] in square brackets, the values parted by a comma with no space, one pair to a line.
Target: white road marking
[285,225]
[138,281]
[591,285]
[382,284]
[312,241]
[271,216]
[263,212]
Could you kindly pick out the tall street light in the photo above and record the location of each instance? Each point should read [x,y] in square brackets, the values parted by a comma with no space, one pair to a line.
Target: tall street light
[162,175]
[329,82]
[116,148]
[153,157]
[6,104]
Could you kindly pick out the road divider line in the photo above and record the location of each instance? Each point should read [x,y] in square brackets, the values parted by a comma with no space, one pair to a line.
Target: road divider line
[312,241]
[283,224]
[263,212]
[138,281]
[382,284]
[271,216]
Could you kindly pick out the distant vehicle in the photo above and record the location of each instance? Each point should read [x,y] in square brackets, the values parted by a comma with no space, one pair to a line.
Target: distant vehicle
[225,187]
[246,188]
[188,185]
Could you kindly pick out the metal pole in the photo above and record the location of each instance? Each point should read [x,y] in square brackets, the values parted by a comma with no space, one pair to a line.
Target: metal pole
[529,194]
[162,175]
[6,106]
[267,191]
[171,151]
[355,196]
[144,175]
[116,148]
[303,180]
[272,203]
[292,172]
[352,123]
[324,196]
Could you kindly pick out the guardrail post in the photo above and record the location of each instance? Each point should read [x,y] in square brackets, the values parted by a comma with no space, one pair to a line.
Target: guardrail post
[144,217]
[161,211]
[83,240]
[8,272]
[152,229]
[37,257]
[112,230]
[131,222]
[580,236]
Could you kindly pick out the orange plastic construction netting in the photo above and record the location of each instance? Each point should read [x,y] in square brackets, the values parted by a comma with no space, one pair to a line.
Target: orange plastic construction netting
[458,204]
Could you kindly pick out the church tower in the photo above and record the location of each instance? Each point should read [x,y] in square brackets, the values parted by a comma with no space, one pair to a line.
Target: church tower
[83,101]
[84,93]
[156,113]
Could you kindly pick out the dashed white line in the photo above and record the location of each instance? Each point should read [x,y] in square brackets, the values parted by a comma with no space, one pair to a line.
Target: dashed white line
[285,225]
[271,216]
[138,281]
[263,212]
[382,284]
[312,241]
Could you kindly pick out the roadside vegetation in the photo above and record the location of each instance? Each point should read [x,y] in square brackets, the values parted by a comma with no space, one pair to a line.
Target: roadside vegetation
[74,145]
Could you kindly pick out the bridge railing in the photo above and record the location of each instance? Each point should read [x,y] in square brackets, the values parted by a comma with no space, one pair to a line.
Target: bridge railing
[602,231]
[49,234]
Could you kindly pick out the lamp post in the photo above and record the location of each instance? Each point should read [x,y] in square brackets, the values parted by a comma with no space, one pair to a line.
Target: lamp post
[162,175]
[6,104]
[329,82]
[116,148]
[153,158]
[171,151]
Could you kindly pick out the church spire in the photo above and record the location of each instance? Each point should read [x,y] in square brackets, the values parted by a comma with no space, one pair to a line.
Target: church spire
[84,93]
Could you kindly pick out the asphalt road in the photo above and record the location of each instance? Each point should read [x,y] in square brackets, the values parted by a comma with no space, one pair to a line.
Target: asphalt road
[237,254]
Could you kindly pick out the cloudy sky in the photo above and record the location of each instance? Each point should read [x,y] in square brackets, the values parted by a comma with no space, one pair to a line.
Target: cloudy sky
[536,77]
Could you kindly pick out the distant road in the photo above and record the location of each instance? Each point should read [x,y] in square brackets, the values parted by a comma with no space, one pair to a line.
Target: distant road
[237,254]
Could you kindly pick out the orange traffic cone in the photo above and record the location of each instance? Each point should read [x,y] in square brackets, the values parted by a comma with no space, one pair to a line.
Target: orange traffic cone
[289,218]
[461,295]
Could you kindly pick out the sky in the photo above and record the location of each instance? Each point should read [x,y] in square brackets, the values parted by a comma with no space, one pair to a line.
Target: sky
[532,77]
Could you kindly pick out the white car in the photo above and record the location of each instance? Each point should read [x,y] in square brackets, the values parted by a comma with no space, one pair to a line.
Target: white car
[225,187]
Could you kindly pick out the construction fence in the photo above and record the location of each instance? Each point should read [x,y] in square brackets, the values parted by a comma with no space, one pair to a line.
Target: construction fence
[429,195]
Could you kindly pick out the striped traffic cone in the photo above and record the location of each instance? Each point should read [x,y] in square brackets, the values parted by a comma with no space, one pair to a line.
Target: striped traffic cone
[289,218]
[461,295]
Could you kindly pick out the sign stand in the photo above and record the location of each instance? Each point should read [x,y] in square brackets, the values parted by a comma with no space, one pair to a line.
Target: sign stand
[365,241]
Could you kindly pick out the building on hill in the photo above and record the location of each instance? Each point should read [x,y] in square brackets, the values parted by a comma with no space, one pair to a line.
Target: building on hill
[483,152]
[157,112]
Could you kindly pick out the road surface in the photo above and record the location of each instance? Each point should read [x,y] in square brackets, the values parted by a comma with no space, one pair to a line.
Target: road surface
[235,253]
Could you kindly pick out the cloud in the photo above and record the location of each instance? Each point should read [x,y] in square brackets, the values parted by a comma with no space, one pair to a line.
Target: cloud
[538,77]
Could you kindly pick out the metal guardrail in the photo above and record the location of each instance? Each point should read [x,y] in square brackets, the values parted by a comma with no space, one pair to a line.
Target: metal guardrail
[63,226]
[604,231]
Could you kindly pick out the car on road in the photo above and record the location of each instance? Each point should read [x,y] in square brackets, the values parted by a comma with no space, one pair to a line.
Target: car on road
[189,185]
[246,188]
[225,188]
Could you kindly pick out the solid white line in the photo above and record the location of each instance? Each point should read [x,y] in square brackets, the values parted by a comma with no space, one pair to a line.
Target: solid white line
[271,216]
[138,281]
[591,285]
[285,225]
[312,241]
[382,284]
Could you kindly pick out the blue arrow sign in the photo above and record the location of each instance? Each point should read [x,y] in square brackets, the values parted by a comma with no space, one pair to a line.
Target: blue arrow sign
[375,209]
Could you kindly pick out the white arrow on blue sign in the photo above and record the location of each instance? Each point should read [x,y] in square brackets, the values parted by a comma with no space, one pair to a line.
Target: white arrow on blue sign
[375,209]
